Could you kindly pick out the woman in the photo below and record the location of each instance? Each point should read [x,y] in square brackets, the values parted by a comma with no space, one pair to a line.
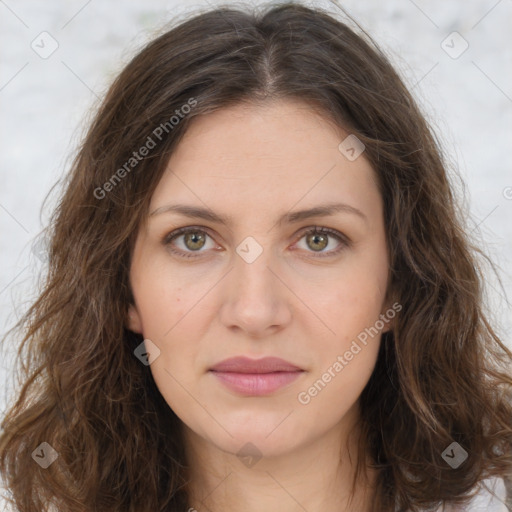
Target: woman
[260,292]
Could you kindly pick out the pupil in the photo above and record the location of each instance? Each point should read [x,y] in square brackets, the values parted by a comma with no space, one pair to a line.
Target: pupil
[195,238]
[316,240]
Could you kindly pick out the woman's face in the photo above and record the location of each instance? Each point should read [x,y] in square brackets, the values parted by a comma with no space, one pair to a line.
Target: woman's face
[258,285]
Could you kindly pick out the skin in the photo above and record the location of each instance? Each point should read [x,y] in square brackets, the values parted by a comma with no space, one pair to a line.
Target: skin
[255,163]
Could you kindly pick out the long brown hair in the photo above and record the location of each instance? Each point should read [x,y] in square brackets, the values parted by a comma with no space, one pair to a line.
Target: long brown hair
[442,374]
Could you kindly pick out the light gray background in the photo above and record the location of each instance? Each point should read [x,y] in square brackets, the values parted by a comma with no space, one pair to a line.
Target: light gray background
[44,105]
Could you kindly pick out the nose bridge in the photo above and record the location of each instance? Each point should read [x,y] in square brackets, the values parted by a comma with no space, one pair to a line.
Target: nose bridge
[256,299]
[251,272]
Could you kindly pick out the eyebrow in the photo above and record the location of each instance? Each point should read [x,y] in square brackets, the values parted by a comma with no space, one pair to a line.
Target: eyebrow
[198,212]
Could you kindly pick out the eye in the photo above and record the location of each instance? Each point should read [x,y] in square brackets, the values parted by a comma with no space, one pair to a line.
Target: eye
[317,239]
[193,240]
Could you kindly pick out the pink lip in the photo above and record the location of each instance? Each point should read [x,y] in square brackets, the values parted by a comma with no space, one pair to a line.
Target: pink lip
[246,365]
[253,377]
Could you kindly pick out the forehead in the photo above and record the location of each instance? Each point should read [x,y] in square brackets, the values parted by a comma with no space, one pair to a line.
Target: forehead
[254,156]
[277,130]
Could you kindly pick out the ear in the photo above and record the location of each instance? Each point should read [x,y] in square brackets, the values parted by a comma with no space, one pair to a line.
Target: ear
[134,319]
[388,315]
[389,324]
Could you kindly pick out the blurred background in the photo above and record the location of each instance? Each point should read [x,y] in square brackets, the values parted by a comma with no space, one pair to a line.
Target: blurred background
[58,58]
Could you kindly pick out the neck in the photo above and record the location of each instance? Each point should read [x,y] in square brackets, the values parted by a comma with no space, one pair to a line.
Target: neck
[316,477]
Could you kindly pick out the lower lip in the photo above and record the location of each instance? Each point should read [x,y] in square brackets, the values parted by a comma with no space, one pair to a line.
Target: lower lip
[256,384]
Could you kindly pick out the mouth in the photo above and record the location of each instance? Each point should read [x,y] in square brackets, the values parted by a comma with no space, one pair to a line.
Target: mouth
[250,377]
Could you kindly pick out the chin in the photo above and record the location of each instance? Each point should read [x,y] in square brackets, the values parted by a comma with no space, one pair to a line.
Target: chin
[268,441]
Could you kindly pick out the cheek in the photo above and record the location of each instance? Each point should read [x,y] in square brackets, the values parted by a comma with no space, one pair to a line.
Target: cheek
[162,299]
[172,313]
[351,306]
[338,388]
[344,360]
[354,300]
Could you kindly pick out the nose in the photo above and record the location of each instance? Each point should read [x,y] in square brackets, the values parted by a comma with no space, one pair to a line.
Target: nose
[255,300]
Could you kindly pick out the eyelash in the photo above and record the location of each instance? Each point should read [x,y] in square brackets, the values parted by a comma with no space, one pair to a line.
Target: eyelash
[344,240]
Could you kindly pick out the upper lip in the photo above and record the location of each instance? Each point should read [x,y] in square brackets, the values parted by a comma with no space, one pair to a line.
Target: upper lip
[246,365]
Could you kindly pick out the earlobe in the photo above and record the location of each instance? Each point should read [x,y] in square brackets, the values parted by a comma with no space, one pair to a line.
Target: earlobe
[387,316]
[134,320]
[388,327]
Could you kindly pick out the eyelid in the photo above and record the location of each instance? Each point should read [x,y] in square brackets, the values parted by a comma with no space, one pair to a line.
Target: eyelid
[343,239]
[169,237]
[181,231]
